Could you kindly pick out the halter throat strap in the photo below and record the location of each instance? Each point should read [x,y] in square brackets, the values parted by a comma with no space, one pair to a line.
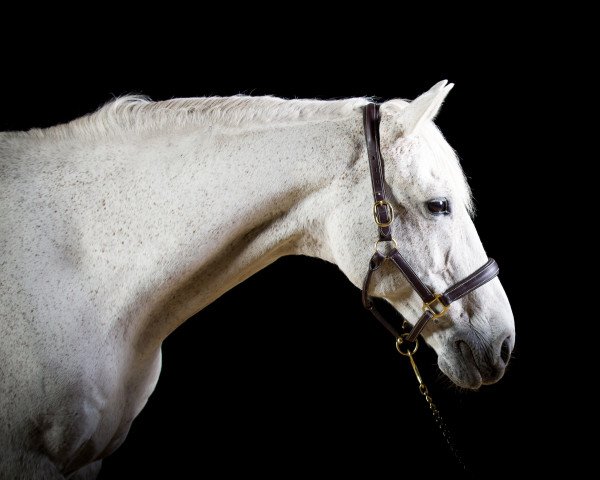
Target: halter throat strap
[434,305]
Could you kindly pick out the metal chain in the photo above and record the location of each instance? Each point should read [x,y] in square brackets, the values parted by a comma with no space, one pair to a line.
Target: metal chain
[403,347]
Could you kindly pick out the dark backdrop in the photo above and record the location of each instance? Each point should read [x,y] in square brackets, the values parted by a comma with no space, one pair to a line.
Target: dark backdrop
[286,373]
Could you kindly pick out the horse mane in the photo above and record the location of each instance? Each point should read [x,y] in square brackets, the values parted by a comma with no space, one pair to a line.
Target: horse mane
[138,114]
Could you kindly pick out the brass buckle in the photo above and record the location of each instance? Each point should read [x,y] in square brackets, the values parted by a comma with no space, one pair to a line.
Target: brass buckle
[435,305]
[390,210]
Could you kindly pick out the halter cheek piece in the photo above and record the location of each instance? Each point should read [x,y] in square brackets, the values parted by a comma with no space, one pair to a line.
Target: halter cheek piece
[434,305]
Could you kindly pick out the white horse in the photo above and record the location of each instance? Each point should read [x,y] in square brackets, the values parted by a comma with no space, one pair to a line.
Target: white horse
[119,226]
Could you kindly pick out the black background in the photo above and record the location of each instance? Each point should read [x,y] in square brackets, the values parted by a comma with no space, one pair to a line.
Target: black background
[286,374]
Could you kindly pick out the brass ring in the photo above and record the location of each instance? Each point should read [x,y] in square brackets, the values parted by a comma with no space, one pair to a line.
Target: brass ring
[385,241]
[401,340]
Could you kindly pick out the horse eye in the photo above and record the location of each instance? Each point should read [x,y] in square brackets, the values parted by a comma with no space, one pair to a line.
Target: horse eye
[439,206]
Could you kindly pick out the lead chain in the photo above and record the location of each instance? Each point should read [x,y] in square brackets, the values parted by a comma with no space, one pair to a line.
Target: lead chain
[437,417]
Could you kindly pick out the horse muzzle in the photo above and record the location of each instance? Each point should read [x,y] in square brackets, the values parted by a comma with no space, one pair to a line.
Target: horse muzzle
[470,361]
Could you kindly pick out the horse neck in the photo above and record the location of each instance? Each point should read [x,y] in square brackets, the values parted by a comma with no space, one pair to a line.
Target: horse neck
[192,214]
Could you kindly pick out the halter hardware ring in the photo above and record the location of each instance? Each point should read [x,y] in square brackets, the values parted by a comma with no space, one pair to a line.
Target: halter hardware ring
[378,242]
[437,305]
[390,210]
[401,340]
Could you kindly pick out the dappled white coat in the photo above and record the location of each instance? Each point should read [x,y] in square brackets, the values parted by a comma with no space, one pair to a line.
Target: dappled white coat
[119,226]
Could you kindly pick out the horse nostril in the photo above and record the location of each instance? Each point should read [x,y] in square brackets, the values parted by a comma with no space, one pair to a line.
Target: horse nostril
[505,350]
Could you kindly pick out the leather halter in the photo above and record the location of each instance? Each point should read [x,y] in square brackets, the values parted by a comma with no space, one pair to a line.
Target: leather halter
[434,305]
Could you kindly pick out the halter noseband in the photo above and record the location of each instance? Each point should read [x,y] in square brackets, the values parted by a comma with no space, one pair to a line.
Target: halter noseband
[434,305]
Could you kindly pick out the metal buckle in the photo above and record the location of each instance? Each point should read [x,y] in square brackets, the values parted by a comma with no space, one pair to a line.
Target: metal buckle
[433,309]
[390,210]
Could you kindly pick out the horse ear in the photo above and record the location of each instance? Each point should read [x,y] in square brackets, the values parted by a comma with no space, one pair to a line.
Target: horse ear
[409,117]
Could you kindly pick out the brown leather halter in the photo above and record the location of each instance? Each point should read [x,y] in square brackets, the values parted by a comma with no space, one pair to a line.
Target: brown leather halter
[434,305]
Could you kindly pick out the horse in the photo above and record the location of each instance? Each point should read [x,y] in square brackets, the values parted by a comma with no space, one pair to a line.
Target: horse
[119,226]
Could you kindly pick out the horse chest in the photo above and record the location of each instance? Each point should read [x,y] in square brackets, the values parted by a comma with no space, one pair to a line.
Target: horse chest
[79,405]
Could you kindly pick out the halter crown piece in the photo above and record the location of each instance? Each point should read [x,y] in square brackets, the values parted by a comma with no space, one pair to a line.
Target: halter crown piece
[435,305]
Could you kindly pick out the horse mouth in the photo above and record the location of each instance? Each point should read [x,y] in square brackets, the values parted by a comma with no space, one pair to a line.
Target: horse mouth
[463,369]
[475,378]
[470,368]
